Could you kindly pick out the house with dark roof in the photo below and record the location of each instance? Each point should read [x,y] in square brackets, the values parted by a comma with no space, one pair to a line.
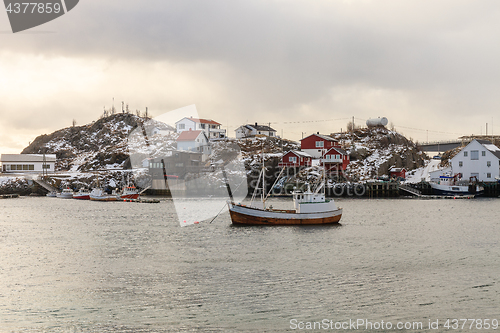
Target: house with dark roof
[479,159]
[295,159]
[210,127]
[196,141]
[317,144]
[335,159]
[250,130]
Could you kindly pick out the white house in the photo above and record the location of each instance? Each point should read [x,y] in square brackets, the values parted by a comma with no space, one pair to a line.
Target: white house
[480,159]
[249,130]
[161,129]
[195,141]
[28,163]
[211,128]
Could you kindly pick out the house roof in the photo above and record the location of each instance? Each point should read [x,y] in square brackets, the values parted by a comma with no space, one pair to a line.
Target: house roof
[189,135]
[324,137]
[491,147]
[340,150]
[27,158]
[393,169]
[260,127]
[199,120]
[300,153]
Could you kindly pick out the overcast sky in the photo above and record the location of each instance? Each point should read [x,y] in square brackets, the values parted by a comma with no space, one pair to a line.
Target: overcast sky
[431,67]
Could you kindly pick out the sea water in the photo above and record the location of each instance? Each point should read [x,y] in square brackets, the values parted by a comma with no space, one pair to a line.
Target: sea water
[82,266]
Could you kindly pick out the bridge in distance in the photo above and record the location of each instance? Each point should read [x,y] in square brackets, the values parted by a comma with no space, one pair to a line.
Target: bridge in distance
[442,146]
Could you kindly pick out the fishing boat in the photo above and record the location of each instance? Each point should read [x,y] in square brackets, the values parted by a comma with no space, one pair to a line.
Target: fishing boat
[98,194]
[129,192]
[310,208]
[451,186]
[82,194]
[65,194]
[51,194]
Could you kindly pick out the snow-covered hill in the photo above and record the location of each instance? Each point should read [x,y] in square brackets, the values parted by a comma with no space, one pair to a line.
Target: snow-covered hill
[374,151]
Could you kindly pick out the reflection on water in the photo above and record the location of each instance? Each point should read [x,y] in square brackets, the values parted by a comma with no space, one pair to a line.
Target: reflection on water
[69,265]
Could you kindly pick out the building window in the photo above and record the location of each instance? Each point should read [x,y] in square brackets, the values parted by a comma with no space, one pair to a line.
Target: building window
[488,175]
[488,164]
[483,153]
[292,159]
[474,154]
[460,163]
[320,144]
[465,153]
[182,126]
[32,167]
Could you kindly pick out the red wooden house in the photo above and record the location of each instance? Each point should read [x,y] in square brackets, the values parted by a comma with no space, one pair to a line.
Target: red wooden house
[335,159]
[397,172]
[317,144]
[295,159]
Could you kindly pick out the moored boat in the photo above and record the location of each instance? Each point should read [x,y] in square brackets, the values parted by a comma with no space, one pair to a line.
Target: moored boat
[129,192]
[65,194]
[82,194]
[449,186]
[51,194]
[310,208]
[98,194]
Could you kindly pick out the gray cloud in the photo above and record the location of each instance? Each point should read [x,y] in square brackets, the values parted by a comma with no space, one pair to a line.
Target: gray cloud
[274,57]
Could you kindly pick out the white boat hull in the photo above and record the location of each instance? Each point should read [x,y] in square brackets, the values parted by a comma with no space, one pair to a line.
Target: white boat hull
[454,189]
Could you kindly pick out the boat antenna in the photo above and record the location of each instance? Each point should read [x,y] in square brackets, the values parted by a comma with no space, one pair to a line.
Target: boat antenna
[276,181]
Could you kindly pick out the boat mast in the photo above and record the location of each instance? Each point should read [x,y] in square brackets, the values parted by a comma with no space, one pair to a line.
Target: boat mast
[262,195]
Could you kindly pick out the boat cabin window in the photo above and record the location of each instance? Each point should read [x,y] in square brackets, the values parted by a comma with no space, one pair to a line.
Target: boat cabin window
[455,188]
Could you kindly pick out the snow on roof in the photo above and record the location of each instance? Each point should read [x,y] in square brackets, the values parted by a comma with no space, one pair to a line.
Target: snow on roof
[188,135]
[324,137]
[27,158]
[299,153]
[491,147]
[259,127]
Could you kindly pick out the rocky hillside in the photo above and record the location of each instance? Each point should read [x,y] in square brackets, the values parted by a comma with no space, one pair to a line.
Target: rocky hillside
[374,151]
[100,145]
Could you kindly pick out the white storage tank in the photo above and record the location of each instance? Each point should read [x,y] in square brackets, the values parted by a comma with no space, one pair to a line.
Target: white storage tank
[374,122]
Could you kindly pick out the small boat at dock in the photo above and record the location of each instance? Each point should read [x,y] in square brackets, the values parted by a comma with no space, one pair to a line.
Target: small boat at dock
[129,192]
[65,194]
[82,194]
[98,194]
[451,186]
